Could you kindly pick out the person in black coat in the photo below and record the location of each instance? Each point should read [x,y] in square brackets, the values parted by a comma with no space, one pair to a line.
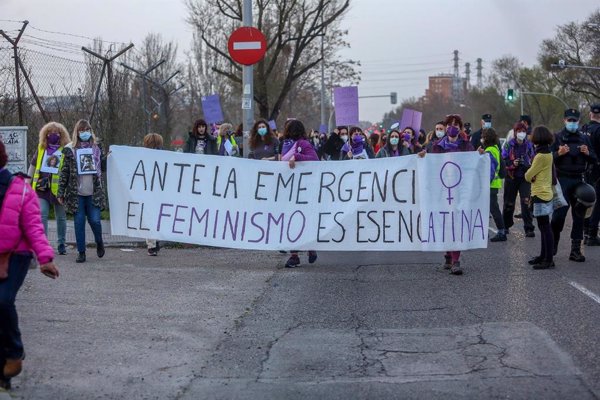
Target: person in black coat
[335,142]
[486,123]
[200,141]
[593,178]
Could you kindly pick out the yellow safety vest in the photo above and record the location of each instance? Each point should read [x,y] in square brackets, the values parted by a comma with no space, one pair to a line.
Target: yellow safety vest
[38,166]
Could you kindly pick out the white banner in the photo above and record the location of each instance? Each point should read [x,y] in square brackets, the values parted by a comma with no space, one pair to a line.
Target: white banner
[439,202]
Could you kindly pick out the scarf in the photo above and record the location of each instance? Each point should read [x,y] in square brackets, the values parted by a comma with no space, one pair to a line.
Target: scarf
[445,144]
[51,148]
[97,157]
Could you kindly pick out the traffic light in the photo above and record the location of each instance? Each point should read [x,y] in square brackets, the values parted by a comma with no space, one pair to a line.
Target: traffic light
[394,97]
[510,95]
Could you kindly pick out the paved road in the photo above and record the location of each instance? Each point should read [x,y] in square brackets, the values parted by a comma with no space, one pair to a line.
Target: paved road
[227,324]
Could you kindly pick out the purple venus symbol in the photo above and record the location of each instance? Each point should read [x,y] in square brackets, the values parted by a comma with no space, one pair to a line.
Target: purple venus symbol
[450,176]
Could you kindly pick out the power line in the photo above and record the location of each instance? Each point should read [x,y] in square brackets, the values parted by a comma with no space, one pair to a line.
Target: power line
[74,35]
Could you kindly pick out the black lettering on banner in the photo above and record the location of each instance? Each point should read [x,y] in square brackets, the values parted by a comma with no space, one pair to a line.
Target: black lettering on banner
[394,185]
[129,214]
[231,180]
[385,226]
[215,225]
[162,177]
[419,236]
[259,185]
[320,227]
[262,231]
[204,217]
[214,192]
[414,187]
[341,226]
[361,187]
[142,219]
[407,225]
[301,188]
[376,224]
[290,224]
[359,227]
[278,222]
[232,228]
[349,191]
[175,219]
[382,192]
[444,214]
[142,174]
[182,167]
[285,184]
[321,186]
[196,166]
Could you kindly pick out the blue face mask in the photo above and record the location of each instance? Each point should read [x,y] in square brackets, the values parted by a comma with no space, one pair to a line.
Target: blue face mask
[85,136]
[572,126]
[487,125]
[262,131]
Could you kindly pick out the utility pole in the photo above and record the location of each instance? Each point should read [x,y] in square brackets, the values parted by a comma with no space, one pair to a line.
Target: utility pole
[247,84]
[468,75]
[479,74]
[456,79]
[15,43]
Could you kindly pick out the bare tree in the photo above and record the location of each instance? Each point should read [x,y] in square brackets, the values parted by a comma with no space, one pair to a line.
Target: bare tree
[292,29]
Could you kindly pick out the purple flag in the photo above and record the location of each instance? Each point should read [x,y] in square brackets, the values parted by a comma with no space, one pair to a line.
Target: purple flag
[346,105]
[411,118]
[211,105]
[273,125]
[323,128]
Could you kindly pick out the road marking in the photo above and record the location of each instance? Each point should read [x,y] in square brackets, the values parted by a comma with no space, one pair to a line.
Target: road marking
[585,291]
[246,45]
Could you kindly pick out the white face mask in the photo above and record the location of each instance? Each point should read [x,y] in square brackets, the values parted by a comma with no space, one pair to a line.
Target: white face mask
[440,134]
[521,136]
[344,138]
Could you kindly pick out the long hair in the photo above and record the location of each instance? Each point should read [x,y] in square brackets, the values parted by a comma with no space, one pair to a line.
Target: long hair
[199,123]
[490,138]
[226,130]
[294,129]
[53,127]
[256,139]
[79,125]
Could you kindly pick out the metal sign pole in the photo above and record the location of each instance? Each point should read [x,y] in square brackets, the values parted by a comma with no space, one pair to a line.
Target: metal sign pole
[247,84]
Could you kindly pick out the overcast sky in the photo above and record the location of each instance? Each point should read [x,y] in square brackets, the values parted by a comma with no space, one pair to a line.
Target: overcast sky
[399,42]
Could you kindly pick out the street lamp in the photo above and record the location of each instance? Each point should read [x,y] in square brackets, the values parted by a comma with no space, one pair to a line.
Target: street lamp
[523,93]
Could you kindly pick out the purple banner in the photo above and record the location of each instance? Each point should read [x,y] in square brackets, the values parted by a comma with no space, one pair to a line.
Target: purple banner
[346,105]
[211,105]
[323,128]
[411,118]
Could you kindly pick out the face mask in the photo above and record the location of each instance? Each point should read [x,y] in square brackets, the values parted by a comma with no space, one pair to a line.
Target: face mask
[53,138]
[85,136]
[316,140]
[439,134]
[487,125]
[521,136]
[344,138]
[407,137]
[262,131]
[453,131]
[572,126]
[358,139]
[394,141]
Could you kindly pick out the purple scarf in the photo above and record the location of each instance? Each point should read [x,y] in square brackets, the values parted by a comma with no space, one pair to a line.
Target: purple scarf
[96,150]
[445,144]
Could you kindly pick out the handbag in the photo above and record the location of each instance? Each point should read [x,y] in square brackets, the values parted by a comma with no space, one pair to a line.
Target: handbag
[558,199]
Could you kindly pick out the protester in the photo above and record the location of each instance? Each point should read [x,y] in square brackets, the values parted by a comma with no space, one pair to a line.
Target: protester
[540,176]
[153,141]
[489,144]
[375,142]
[422,138]
[409,140]
[432,137]
[518,156]
[263,145]
[81,192]
[315,141]
[358,148]
[22,236]
[52,139]
[393,147]
[486,123]
[300,151]
[573,154]
[200,141]
[224,137]
[455,140]
[333,145]
[593,178]
[239,138]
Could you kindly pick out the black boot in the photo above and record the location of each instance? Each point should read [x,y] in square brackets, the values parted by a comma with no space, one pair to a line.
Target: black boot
[593,239]
[576,251]
[100,249]
[80,258]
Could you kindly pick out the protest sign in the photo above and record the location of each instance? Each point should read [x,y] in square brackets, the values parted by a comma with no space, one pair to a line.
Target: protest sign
[411,118]
[211,106]
[273,125]
[346,105]
[439,202]
[85,162]
[15,142]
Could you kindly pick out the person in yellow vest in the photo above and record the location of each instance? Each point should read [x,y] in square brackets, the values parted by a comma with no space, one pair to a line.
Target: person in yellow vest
[226,135]
[491,145]
[44,169]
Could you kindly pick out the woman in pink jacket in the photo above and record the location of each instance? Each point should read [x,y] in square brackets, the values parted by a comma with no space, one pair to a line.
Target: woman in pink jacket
[22,236]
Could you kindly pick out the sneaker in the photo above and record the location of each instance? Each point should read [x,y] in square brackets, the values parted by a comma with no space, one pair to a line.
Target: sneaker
[500,237]
[447,262]
[455,269]
[62,250]
[544,265]
[312,257]
[100,250]
[293,262]
[535,260]
[529,234]
[152,251]
[80,258]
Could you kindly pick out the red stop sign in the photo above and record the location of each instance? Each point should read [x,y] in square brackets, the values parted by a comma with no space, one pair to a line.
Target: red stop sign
[247,45]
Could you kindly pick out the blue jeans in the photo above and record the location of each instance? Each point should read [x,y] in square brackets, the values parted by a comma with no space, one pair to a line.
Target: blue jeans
[86,208]
[61,219]
[11,345]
